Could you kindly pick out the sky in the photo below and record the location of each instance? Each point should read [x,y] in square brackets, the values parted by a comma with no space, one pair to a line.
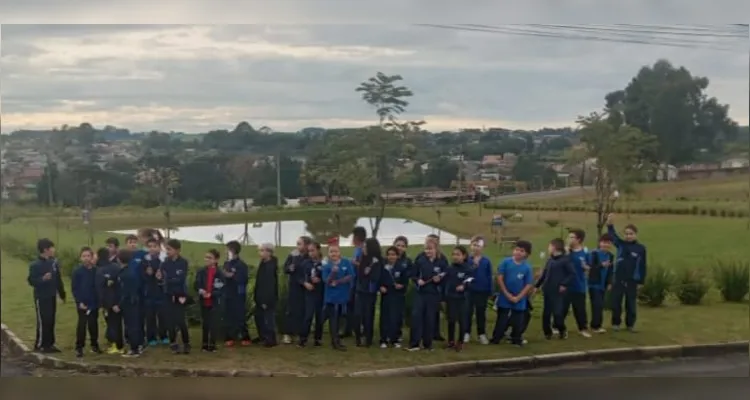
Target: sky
[288,76]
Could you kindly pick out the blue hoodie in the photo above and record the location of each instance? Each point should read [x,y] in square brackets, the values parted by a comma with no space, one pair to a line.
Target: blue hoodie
[482,274]
[83,287]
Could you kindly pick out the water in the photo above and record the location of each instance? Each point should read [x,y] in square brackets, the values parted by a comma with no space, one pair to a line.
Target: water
[285,233]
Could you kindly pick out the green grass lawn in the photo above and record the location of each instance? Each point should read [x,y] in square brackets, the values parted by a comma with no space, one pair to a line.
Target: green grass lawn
[676,242]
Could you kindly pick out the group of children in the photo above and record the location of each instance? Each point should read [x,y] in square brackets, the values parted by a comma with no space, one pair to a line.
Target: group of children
[142,292]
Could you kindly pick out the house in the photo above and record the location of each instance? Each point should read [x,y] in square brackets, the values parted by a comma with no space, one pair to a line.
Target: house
[736,162]
[667,173]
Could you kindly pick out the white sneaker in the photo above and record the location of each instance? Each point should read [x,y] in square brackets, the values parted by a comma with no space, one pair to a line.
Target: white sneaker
[397,345]
[483,339]
[383,346]
[616,328]
[525,341]
[555,332]
[414,349]
[585,334]
[467,338]
[286,339]
[601,330]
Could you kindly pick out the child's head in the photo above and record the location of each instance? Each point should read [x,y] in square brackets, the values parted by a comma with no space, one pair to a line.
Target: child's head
[113,244]
[131,241]
[45,247]
[265,251]
[313,250]
[430,249]
[154,248]
[392,255]
[372,248]
[605,242]
[630,233]
[144,234]
[173,248]
[124,256]
[401,243]
[522,250]
[359,235]
[87,256]
[459,254]
[302,243]
[477,245]
[576,237]
[211,258]
[432,238]
[102,256]
[334,252]
[556,247]
[233,249]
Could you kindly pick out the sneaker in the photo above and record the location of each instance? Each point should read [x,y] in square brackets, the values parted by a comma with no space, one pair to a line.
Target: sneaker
[79,353]
[482,339]
[96,349]
[132,354]
[383,345]
[286,339]
[152,343]
[204,348]
[317,343]
[450,345]
[555,332]
[186,349]
[50,350]
[212,348]
[229,343]
[414,348]
[563,335]
[175,348]
[113,350]
[246,342]
[631,329]
[585,334]
[397,345]
[600,330]
[165,341]
[140,348]
[615,328]
[301,345]
[339,347]
[467,338]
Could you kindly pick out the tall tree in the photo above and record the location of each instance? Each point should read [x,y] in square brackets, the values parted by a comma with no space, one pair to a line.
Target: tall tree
[243,176]
[384,93]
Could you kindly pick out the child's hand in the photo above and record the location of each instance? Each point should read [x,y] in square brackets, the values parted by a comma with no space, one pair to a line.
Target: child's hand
[315,279]
[149,271]
[207,295]
[606,263]
[47,276]
[398,286]
[181,299]
[82,306]
[563,289]
[367,270]
[201,292]
[383,290]
[158,274]
[460,288]
[436,278]
[421,282]
[116,309]
[309,286]
[609,287]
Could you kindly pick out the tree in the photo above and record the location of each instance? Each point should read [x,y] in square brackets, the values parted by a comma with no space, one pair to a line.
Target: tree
[441,173]
[243,176]
[382,92]
[620,154]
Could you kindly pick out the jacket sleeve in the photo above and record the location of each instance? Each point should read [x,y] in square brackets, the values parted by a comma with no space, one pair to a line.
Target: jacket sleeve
[275,280]
[615,237]
[197,284]
[542,278]
[609,272]
[35,274]
[75,286]
[60,285]
[376,273]
[570,274]
[644,265]
[288,264]
[243,275]
[99,283]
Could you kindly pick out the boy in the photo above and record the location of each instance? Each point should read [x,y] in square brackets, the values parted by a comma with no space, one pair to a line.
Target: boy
[209,282]
[153,296]
[266,294]
[128,302]
[295,305]
[514,278]
[136,256]
[45,278]
[457,280]
[393,283]
[174,271]
[575,297]
[83,287]
[479,290]
[600,280]
[554,281]
[113,246]
[236,275]
[402,244]
[359,235]
[629,273]
[107,289]
[338,275]
[313,284]
[430,272]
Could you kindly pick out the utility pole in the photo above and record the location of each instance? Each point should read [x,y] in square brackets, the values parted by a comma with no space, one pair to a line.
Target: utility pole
[460,176]
[278,196]
[50,199]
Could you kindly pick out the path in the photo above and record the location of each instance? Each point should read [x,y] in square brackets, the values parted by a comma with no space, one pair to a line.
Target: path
[569,191]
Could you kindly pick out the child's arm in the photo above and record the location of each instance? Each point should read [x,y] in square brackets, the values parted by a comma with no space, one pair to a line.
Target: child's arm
[542,278]
[528,284]
[643,267]
[570,273]
[60,285]
[75,287]
[501,281]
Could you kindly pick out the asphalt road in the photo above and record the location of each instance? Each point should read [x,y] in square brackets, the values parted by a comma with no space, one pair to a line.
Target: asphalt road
[541,195]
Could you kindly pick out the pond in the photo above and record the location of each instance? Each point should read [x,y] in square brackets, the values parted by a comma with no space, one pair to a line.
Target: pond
[285,233]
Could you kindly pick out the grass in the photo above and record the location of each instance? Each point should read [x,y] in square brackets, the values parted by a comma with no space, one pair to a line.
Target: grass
[675,241]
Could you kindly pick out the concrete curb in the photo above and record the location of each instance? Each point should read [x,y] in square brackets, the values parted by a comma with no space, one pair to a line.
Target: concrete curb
[17,347]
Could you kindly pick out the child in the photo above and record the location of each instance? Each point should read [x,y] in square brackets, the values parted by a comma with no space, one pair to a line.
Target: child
[457,280]
[479,290]
[136,257]
[338,275]
[113,246]
[407,266]
[629,272]
[44,277]
[174,271]
[514,278]
[295,305]
[600,280]
[153,296]
[359,235]
[83,287]
[575,297]
[393,283]
[209,284]
[367,282]
[443,261]
[236,275]
[557,275]
[107,290]
[430,273]
[313,270]
[266,294]
[128,302]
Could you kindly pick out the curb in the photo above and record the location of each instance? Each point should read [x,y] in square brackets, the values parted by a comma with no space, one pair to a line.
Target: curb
[17,347]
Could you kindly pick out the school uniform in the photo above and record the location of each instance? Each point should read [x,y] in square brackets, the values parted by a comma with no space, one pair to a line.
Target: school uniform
[426,302]
[480,290]
[295,307]
[174,273]
[350,318]
[83,287]
[210,280]
[558,273]
[154,301]
[515,277]
[575,297]
[129,302]
[393,301]
[313,270]
[266,294]
[443,261]
[458,278]
[629,272]
[45,300]
[134,266]
[367,282]
[109,294]
[407,267]
[338,284]
[235,293]
[600,277]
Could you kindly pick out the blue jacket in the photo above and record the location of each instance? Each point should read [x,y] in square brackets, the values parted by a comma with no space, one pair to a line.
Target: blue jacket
[128,288]
[49,288]
[482,274]
[338,283]
[600,276]
[631,259]
[106,284]
[395,274]
[83,287]
[237,284]
[134,266]
[153,289]
[174,272]
[457,275]
[314,269]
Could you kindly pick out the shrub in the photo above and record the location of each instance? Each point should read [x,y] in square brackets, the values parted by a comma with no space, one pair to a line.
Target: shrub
[463,213]
[552,223]
[691,287]
[657,286]
[732,278]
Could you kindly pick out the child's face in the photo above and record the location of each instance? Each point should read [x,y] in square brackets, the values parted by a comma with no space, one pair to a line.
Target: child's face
[519,253]
[171,252]
[457,256]
[264,253]
[430,250]
[605,245]
[392,257]
[153,247]
[132,244]
[401,246]
[476,247]
[313,251]
[50,252]
[87,258]
[112,249]
[572,240]
[334,253]
[630,235]
[209,259]
[301,247]
[550,249]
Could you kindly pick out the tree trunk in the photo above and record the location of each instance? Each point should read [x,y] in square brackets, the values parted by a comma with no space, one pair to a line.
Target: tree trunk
[244,203]
[379,218]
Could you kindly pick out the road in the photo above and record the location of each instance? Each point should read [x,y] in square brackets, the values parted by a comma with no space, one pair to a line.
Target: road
[570,191]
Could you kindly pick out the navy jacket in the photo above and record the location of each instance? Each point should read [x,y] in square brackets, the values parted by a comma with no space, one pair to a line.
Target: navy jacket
[368,274]
[482,274]
[49,288]
[600,276]
[426,270]
[217,290]
[294,268]
[237,284]
[398,273]
[174,272]
[313,268]
[631,259]
[129,288]
[153,289]
[267,283]
[558,271]
[455,276]
[83,287]
[106,284]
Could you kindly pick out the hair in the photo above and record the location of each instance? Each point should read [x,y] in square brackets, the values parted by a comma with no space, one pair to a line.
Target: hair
[131,237]
[145,232]
[434,237]
[392,249]
[152,240]
[124,256]
[43,245]
[632,228]
[462,249]
[316,245]
[156,234]
[214,253]
[372,250]
[359,233]
[558,244]
[477,238]
[102,255]
[113,241]
[605,238]
[306,240]
[86,249]
[174,243]
[265,246]
[401,239]
[525,245]
[579,234]
[234,246]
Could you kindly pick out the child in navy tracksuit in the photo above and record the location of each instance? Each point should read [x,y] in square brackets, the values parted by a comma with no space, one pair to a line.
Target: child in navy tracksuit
[294,268]
[402,244]
[83,287]
[600,280]
[480,290]
[629,272]
[366,285]
[457,280]
[154,298]
[236,276]
[128,302]
[429,276]
[45,278]
[106,285]
[557,276]
[266,294]
[209,284]
[313,284]
[174,271]
[394,280]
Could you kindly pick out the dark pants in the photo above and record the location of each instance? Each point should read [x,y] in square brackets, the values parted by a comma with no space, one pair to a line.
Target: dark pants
[334,312]
[156,322]
[509,318]
[211,324]
[596,299]
[457,311]
[577,301]
[313,310]
[364,316]
[628,290]
[478,305]
[131,314]
[424,312]
[235,323]
[391,317]
[88,320]
[46,311]
[265,321]
[177,322]
[295,311]
[436,327]
[349,318]
[114,328]
[552,313]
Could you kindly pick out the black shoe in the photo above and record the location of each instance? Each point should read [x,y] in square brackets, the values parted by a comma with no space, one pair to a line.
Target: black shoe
[79,353]
[54,349]
[204,348]
[302,344]
[132,354]
[175,348]
[96,349]
[269,344]
[212,348]
[451,345]
[358,342]
[49,350]
[438,339]
[317,343]
[339,347]
[186,349]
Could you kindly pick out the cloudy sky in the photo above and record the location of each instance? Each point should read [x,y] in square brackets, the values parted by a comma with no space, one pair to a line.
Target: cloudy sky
[194,78]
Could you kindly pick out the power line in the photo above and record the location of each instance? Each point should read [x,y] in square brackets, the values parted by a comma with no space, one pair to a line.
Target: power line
[623,29]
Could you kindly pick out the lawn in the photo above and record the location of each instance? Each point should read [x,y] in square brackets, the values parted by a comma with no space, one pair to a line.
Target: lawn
[674,241]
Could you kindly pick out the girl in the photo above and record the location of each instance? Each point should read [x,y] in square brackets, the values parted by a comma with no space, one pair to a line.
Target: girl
[393,284]
[402,244]
[338,274]
[479,290]
[457,280]
[557,276]
[430,272]
[313,270]
[368,273]
[295,307]
[83,284]
[106,286]
[209,282]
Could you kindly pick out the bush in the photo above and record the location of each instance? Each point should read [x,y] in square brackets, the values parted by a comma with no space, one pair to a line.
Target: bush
[552,223]
[692,286]
[657,286]
[733,279]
